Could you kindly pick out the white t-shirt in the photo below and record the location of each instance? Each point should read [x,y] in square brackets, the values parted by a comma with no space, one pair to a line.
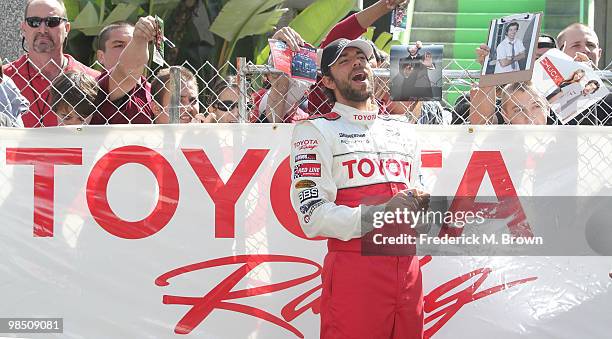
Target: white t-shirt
[504,51]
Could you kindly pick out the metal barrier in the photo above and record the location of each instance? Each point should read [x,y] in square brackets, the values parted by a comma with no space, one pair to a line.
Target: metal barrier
[259,93]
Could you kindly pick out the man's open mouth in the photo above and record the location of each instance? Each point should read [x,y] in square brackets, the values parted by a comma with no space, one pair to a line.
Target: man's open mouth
[359,77]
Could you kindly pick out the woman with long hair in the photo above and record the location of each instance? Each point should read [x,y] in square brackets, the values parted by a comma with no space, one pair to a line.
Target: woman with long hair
[575,77]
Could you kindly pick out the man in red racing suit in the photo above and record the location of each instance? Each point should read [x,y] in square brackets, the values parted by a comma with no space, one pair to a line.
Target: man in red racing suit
[346,166]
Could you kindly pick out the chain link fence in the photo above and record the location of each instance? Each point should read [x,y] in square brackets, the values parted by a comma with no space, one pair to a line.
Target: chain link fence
[253,93]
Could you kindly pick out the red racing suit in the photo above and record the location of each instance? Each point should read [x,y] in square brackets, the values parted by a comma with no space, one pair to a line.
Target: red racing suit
[345,166]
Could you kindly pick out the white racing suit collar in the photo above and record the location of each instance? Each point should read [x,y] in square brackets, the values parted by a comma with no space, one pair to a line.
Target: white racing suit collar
[354,115]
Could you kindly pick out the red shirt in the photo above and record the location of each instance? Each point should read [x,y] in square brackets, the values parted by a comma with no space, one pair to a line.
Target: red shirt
[348,28]
[35,87]
[133,108]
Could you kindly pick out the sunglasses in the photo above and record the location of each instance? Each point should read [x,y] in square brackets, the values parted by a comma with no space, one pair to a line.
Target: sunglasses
[546,44]
[225,105]
[50,21]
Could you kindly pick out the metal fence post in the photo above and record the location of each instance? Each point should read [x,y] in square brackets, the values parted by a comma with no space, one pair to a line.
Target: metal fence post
[243,113]
[175,94]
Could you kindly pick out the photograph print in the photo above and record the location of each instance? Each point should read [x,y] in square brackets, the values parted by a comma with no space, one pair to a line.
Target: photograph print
[570,87]
[512,42]
[416,73]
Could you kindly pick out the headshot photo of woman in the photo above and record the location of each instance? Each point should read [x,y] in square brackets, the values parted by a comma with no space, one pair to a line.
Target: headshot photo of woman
[575,77]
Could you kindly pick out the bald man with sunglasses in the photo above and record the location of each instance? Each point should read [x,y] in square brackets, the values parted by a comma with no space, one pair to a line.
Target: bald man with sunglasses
[44,31]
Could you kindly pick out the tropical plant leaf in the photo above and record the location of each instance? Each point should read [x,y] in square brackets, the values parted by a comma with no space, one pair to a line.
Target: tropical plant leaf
[144,2]
[73,7]
[369,34]
[262,57]
[241,18]
[120,13]
[391,43]
[382,40]
[315,21]
[90,23]
[87,20]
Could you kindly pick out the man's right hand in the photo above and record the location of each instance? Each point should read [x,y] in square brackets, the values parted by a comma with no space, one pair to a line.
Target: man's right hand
[126,75]
[145,29]
[481,53]
[289,36]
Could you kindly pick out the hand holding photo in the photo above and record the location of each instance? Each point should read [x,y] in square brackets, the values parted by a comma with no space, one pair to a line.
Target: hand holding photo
[301,64]
[416,73]
[399,21]
[511,45]
[569,86]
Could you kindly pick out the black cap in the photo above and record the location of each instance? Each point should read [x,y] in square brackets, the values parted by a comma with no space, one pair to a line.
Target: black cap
[551,43]
[332,52]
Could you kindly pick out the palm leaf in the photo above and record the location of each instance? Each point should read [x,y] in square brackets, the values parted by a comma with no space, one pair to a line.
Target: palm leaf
[241,18]
[314,22]
[90,22]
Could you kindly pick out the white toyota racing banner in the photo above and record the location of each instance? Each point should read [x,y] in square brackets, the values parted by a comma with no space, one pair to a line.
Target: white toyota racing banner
[188,232]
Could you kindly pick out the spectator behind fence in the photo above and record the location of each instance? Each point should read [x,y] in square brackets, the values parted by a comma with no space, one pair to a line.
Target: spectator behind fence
[521,104]
[425,112]
[111,42]
[284,100]
[545,42]
[350,28]
[44,32]
[12,103]
[577,41]
[134,107]
[582,43]
[160,90]
[73,98]
[128,93]
[461,111]
[222,102]
[484,106]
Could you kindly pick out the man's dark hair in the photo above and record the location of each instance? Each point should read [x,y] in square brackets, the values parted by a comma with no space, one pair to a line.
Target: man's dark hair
[220,85]
[104,34]
[29,2]
[510,25]
[330,97]
[77,90]
[379,55]
[159,85]
[595,82]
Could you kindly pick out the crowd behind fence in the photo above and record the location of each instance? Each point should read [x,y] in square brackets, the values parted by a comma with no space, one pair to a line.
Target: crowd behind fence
[249,93]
